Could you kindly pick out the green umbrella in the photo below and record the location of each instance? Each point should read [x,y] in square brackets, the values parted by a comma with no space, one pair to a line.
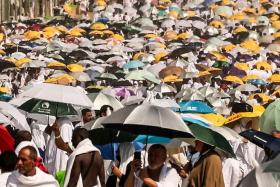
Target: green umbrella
[270,119]
[221,64]
[101,136]
[48,108]
[211,137]
[224,10]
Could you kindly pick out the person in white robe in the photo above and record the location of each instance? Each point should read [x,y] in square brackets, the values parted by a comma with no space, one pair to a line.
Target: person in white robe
[27,174]
[56,159]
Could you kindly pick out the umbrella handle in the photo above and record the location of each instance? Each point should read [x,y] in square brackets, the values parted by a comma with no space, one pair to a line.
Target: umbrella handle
[146,145]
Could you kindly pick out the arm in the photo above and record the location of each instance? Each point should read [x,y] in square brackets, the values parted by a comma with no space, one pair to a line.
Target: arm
[146,179]
[75,173]
[60,144]
[135,166]
[101,173]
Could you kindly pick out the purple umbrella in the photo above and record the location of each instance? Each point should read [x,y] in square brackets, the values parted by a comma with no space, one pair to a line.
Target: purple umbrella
[124,92]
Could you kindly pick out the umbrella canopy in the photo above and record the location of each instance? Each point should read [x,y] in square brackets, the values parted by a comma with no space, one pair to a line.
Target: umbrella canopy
[101,99]
[101,136]
[247,88]
[133,64]
[158,121]
[263,140]
[58,93]
[270,120]
[18,119]
[195,107]
[7,142]
[211,137]
[48,108]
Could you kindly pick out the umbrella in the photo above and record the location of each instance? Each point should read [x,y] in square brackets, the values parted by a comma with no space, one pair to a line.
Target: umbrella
[13,114]
[5,120]
[164,88]
[132,100]
[195,107]
[158,121]
[59,93]
[133,64]
[269,120]
[171,70]
[233,79]
[124,92]
[4,64]
[196,119]
[165,103]
[101,136]
[211,137]
[224,11]
[7,142]
[81,76]
[208,90]
[101,99]
[263,140]
[247,88]
[48,108]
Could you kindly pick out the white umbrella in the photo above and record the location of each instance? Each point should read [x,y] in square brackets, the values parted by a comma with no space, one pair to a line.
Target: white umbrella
[158,121]
[115,59]
[156,68]
[59,93]
[247,88]
[134,99]
[81,76]
[5,120]
[14,115]
[165,103]
[167,23]
[101,99]
[207,90]
[164,88]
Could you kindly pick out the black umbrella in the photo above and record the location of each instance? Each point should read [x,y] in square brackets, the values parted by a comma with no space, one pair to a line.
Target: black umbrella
[263,140]
[4,64]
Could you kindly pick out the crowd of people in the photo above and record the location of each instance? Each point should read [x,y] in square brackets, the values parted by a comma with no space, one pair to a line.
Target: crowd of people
[215,63]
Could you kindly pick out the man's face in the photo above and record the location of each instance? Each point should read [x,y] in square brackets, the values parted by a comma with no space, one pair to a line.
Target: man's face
[25,164]
[87,117]
[156,158]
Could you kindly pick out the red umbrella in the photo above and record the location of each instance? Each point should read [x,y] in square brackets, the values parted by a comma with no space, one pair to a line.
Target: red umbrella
[6,140]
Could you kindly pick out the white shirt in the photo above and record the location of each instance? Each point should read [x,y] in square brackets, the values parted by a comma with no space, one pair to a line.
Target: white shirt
[168,178]
[4,178]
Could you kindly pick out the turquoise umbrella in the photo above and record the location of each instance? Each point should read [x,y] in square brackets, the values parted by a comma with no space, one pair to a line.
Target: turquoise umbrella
[195,107]
[133,64]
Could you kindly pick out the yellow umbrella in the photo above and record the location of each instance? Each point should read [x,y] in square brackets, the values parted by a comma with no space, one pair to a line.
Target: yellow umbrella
[164,1]
[276,92]
[172,78]
[118,37]
[70,9]
[160,55]
[251,45]
[96,87]
[233,79]
[1,37]
[56,65]
[250,10]
[76,31]
[216,24]
[173,14]
[75,68]
[242,66]
[108,32]
[137,56]
[64,79]
[2,52]
[275,78]
[274,17]
[49,34]
[203,73]
[229,47]
[191,13]
[170,35]
[22,61]
[5,90]
[100,3]
[276,24]
[263,64]
[32,35]
[250,77]
[99,26]
[50,29]
[258,109]
[95,32]
[183,36]
[219,56]
[62,29]
[238,16]
[150,36]
[240,29]
[240,115]
[264,97]
[215,119]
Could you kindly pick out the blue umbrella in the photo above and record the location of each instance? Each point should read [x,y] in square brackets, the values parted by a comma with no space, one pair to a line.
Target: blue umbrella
[5,97]
[195,107]
[108,151]
[103,20]
[151,139]
[197,120]
[257,82]
[133,64]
